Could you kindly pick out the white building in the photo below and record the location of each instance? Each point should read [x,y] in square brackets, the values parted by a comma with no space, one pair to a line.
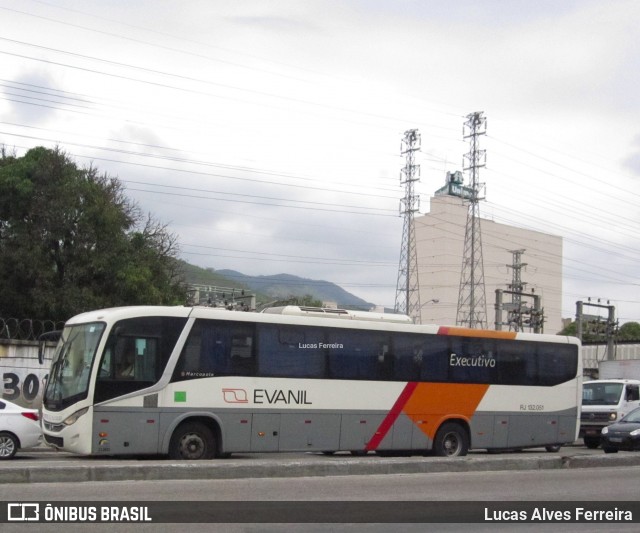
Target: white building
[440,242]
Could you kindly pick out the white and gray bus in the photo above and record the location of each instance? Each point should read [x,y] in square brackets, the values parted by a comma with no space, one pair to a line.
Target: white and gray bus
[199,383]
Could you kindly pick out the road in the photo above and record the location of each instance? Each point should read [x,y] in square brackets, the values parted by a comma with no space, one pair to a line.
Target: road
[582,485]
[502,486]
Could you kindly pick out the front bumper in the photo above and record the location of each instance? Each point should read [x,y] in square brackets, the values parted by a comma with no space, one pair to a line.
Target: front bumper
[592,430]
[626,443]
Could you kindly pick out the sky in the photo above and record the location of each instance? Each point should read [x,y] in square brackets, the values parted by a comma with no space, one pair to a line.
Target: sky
[267,135]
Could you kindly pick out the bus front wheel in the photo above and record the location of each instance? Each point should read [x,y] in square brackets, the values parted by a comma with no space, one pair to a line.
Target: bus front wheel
[192,441]
[451,440]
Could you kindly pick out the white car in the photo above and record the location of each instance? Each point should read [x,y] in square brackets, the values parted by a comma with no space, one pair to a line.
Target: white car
[19,428]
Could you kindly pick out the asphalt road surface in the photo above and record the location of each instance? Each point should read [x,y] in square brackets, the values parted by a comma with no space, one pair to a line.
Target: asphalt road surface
[503,489]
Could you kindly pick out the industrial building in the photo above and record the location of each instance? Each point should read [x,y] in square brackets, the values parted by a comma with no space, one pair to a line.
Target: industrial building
[440,237]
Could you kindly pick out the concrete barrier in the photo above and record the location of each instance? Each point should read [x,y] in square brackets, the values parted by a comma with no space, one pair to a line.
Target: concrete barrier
[244,468]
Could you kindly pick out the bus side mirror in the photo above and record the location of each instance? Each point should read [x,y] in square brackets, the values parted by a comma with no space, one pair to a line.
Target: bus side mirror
[41,346]
[50,336]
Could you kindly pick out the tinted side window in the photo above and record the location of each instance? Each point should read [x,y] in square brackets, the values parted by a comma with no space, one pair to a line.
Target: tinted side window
[291,351]
[217,348]
[355,354]
[508,362]
[420,357]
[136,355]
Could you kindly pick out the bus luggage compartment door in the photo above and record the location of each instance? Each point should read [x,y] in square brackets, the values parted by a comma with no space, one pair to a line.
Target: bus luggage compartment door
[265,432]
[309,431]
[125,432]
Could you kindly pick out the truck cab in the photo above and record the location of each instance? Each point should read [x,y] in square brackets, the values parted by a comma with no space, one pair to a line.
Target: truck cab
[604,402]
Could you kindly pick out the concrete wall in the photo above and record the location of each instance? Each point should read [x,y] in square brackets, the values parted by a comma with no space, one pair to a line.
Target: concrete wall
[23,377]
[594,353]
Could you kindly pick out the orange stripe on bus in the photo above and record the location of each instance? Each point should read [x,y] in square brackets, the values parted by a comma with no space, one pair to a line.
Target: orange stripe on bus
[482,333]
[429,404]
[433,403]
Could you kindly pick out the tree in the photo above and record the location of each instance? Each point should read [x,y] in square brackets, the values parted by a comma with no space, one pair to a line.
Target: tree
[571,330]
[629,331]
[71,241]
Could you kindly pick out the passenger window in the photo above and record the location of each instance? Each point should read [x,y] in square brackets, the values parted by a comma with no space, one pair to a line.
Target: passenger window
[217,348]
[135,355]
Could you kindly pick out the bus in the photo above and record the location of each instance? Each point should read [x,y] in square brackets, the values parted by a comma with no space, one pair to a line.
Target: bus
[201,382]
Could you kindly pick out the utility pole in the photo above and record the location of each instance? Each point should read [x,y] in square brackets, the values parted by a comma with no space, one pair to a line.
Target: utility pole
[520,314]
[517,288]
[407,287]
[472,305]
[597,325]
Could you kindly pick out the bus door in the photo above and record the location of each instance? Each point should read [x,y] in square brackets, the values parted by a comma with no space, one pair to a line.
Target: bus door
[134,359]
[129,365]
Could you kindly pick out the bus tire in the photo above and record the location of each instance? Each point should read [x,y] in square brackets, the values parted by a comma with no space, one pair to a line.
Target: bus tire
[192,441]
[451,440]
[8,445]
[553,448]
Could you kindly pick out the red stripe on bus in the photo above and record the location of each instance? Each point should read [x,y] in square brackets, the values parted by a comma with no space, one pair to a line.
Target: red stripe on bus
[391,417]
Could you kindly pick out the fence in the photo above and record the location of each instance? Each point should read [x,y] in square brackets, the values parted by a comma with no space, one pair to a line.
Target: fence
[26,329]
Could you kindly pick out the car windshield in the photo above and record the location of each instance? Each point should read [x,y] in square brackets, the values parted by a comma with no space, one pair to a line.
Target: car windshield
[633,416]
[71,366]
[603,393]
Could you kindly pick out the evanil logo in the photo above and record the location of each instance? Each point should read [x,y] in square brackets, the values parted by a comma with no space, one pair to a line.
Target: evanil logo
[280,396]
[267,396]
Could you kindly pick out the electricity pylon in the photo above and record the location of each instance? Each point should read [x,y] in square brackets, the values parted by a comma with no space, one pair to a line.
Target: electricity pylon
[407,288]
[472,305]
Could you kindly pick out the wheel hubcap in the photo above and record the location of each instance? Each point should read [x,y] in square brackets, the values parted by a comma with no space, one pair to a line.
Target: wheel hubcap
[192,446]
[451,444]
[6,447]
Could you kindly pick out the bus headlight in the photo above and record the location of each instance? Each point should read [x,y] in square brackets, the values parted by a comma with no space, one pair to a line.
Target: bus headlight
[613,416]
[74,417]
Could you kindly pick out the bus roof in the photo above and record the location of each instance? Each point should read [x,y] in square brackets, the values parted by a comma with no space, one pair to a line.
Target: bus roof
[325,312]
[312,316]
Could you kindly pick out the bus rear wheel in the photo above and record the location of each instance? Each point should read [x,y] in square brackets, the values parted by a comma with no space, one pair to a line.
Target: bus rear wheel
[451,441]
[192,441]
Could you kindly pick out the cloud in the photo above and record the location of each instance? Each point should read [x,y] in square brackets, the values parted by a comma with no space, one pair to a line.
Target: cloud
[263,131]
[32,97]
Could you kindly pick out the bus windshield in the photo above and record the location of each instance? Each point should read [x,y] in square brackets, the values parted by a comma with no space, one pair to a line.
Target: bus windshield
[601,393]
[71,366]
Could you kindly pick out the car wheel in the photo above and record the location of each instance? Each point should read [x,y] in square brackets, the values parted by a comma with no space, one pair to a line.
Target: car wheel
[610,450]
[8,445]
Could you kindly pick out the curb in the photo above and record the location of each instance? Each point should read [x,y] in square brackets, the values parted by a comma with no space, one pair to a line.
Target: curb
[323,466]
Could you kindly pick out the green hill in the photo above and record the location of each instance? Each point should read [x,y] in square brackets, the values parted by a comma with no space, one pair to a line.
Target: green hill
[271,288]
